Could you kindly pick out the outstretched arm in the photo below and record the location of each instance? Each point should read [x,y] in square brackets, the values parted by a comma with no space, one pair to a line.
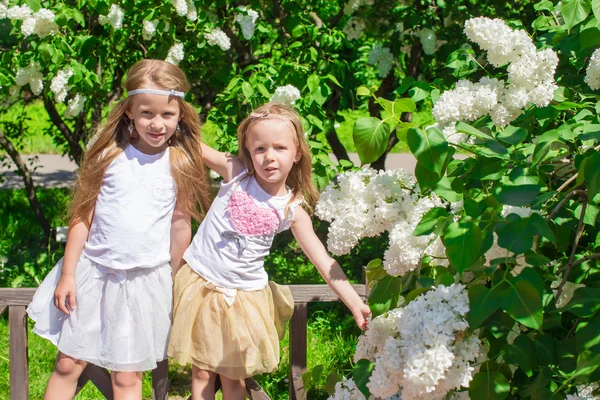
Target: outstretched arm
[181,235]
[65,292]
[329,269]
[224,164]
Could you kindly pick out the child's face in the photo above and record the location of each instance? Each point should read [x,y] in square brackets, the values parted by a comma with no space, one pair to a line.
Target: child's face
[155,119]
[273,150]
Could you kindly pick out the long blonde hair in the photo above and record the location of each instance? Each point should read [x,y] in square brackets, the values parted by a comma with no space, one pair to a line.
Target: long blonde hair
[113,137]
[299,180]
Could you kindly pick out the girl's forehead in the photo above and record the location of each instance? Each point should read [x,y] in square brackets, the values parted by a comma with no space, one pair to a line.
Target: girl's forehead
[272,128]
[155,100]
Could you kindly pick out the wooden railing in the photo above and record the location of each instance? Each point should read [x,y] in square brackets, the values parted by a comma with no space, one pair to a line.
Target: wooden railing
[17,300]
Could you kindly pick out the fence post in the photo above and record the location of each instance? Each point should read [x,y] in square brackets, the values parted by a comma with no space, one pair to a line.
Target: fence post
[298,351]
[19,371]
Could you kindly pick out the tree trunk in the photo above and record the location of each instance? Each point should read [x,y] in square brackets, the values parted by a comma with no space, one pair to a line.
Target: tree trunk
[333,104]
[75,149]
[29,186]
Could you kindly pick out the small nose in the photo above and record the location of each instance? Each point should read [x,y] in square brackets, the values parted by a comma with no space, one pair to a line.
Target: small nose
[269,155]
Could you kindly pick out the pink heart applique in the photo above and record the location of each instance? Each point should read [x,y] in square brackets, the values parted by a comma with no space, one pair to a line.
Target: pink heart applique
[248,218]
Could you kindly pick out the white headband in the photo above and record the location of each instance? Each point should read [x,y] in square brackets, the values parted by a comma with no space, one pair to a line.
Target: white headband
[157,91]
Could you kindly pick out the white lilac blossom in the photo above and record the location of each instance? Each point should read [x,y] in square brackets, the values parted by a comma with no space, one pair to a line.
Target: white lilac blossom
[346,389]
[366,203]
[192,13]
[181,7]
[59,86]
[175,54]
[422,350]
[382,58]
[75,106]
[219,38]
[353,5]
[114,17]
[41,23]
[530,77]
[287,94]
[4,9]
[592,72]
[149,29]
[19,13]
[427,39]
[247,20]
[354,28]
[30,75]
[503,44]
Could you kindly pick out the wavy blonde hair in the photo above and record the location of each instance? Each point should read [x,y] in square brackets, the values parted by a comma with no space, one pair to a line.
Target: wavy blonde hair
[300,177]
[112,138]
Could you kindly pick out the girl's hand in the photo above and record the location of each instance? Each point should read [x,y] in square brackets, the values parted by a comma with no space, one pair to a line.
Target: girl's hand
[65,291]
[360,316]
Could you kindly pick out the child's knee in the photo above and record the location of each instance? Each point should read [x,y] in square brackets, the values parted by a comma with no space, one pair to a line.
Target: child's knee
[67,366]
[203,375]
[126,379]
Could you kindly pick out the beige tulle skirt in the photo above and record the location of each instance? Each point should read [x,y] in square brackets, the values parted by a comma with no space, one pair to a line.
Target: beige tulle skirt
[233,333]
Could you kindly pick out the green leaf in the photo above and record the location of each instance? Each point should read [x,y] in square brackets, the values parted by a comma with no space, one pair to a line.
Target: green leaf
[575,11]
[588,362]
[469,130]
[427,178]
[404,105]
[313,82]
[419,91]
[521,353]
[363,91]
[385,294]
[535,259]
[333,79]
[375,270]
[592,174]
[361,374]
[488,168]
[541,227]
[430,148]
[413,294]
[512,135]
[596,9]
[489,385]
[463,244]
[523,302]
[585,302]
[430,221]
[371,137]
[516,195]
[35,5]
[247,90]
[483,303]
[332,379]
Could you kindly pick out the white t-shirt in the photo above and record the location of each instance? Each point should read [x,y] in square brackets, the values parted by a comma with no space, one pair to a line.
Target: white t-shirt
[236,235]
[132,218]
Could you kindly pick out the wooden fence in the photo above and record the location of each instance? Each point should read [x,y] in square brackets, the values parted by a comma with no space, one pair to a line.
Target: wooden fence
[17,300]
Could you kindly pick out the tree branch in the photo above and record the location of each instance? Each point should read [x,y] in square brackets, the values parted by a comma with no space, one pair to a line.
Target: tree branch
[560,205]
[29,186]
[332,106]
[75,149]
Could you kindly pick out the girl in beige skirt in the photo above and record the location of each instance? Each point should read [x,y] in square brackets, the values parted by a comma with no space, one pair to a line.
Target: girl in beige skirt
[228,318]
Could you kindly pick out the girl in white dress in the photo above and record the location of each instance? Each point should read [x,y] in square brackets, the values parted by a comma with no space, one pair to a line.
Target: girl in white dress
[227,317]
[108,301]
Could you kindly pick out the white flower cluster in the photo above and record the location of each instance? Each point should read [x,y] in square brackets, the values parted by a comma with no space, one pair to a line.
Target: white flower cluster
[40,23]
[383,58]
[354,28]
[149,29]
[31,75]
[219,38]
[585,393]
[366,203]
[185,8]
[427,38]
[247,21]
[530,77]
[59,86]
[346,390]
[353,5]
[75,106]
[427,351]
[114,17]
[287,94]
[175,54]
[592,73]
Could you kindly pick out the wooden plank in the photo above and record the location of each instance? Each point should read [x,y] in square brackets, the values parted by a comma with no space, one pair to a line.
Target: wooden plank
[2,308]
[319,293]
[298,351]
[16,297]
[19,371]
[255,391]
[160,381]
[101,378]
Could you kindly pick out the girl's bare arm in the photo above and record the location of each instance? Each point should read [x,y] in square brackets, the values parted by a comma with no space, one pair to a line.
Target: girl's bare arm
[224,164]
